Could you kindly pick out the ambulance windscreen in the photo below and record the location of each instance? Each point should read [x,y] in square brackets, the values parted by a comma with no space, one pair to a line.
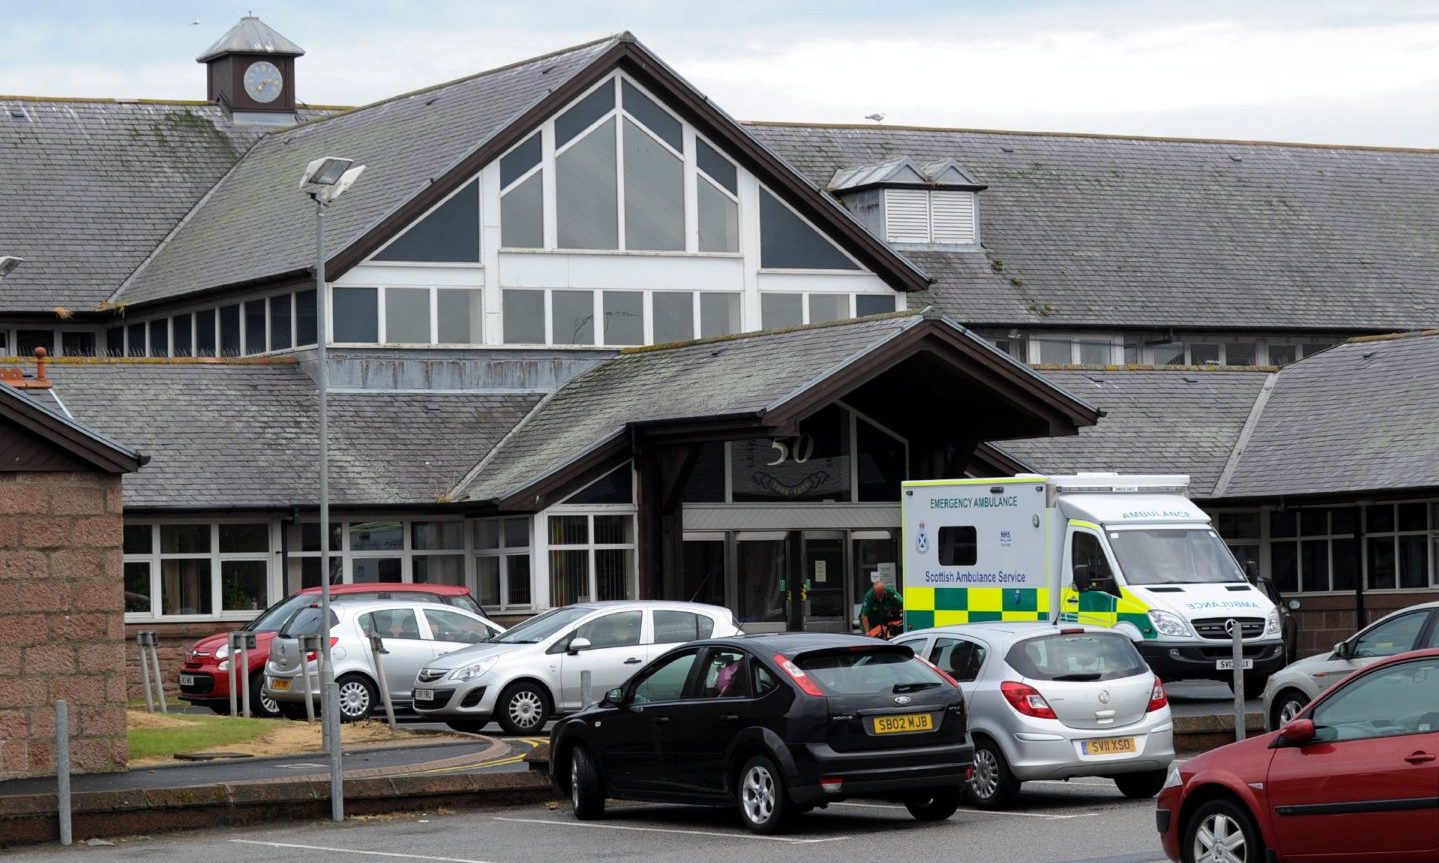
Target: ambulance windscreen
[1173,556]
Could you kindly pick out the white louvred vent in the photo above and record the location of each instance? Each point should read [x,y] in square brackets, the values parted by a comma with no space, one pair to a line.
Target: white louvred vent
[953,217]
[906,215]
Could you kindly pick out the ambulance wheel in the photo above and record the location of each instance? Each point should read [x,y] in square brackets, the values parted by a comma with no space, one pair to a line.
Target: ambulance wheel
[934,805]
[1141,786]
[993,786]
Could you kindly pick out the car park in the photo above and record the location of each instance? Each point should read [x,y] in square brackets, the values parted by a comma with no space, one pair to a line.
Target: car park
[1294,686]
[1053,702]
[412,635]
[1353,777]
[773,724]
[537,669]
[205,671]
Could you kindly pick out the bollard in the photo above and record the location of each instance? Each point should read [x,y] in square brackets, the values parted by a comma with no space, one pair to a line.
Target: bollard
[234,657]
[305,642]
[247,644]
[145,672]
[586,689]
[154,640]
[337,769]
[377,649]
[62,768]
[1236,632]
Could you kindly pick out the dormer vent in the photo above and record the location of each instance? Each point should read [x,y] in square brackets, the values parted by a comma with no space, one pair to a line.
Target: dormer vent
[930,204]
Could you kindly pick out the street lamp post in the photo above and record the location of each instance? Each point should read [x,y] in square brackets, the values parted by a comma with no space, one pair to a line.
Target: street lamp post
[325,180]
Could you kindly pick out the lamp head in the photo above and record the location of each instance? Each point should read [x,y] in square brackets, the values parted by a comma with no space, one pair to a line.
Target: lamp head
[8,263]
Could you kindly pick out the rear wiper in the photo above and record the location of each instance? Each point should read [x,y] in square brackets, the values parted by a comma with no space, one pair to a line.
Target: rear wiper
[912,687]
[1092,675]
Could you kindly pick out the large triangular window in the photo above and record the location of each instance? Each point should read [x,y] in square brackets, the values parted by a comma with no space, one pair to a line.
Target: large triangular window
[788,242]
[449,234]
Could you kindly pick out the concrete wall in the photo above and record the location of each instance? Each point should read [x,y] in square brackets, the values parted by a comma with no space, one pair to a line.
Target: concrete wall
[1327,620]
[61,621]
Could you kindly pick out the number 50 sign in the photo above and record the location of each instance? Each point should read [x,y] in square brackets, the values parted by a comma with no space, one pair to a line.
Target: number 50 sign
[797,449]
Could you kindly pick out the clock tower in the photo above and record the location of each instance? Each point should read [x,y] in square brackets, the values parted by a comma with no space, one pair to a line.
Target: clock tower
[251,72]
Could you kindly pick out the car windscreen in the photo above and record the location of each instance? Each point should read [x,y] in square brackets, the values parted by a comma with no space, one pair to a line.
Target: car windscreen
[852,672]
[277,615]
[542,626]
[1173,556]
[306,622]
[1076,656]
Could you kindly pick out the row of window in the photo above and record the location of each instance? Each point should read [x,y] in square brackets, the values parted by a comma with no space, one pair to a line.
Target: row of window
[273,323]
[1058,349]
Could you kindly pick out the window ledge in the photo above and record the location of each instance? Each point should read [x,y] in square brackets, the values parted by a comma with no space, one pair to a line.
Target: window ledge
[625,253]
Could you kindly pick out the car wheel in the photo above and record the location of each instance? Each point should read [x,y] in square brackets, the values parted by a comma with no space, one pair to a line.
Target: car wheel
[291,710]
[1287,705]
[587,794]
[1221,831]
[762,802]
[1140,786]
[992,786]
[523,708]
[466,726]
[934,805]
[357,697]
[261,704]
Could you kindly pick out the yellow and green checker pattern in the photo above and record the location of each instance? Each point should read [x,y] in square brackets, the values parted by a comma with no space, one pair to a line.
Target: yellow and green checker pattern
[1097,608]
[944,606]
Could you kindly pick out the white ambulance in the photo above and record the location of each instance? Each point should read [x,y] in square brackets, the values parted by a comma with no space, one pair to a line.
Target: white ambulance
[1128,552]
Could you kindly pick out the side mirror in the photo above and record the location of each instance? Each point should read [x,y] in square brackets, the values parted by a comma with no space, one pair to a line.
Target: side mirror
[1083,581]
[1344,650]
[1294,605]
[1298,732]
[614,698]
[1251,571]
[578,644]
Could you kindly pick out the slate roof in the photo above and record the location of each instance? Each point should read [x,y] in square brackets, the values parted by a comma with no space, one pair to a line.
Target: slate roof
[1130,232]
[255,224]
[1360,416]
[92,186]
[734,377]
[242,435]
[35,411]
[1155,421]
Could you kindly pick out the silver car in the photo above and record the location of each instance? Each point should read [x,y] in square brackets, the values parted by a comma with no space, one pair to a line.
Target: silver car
[413,634]
[535,670]
[1049,702]
[1299,683]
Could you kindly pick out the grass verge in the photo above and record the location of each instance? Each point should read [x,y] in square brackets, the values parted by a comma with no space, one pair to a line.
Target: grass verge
[190,733]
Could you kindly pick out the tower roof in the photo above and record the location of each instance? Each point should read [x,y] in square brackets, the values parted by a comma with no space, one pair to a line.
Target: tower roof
[251,36]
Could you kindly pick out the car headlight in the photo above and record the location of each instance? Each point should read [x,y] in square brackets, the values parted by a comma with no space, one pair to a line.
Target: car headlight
[222,652]
[224,665]
[1271,624]
[1169,624]
[473,670]
[1172,780]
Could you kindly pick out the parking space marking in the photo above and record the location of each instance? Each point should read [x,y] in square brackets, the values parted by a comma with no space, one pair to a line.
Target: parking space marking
[975,811]
[790,840]
[408,856]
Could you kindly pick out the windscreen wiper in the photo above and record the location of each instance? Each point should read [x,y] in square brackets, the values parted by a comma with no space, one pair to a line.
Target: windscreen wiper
[1080,677]
[912,687]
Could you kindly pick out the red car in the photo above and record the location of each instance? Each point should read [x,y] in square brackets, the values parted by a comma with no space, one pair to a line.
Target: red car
[1353,777]
[205,673]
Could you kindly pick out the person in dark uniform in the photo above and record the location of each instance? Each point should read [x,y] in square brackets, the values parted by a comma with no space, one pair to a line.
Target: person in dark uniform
[881,605]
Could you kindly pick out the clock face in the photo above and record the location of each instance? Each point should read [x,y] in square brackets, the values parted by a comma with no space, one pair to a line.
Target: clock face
[263,81]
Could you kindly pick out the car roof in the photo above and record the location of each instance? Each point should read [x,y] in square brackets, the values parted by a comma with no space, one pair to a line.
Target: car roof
[355,608]
[392,587]
[794,643]
[1013,630]
[1426,653]
[675,604]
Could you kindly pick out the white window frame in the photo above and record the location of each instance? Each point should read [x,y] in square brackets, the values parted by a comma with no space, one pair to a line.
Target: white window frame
[502,554]
[590,511]
[155,559]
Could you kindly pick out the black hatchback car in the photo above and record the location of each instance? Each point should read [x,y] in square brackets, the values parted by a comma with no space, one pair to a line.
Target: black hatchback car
[776,724]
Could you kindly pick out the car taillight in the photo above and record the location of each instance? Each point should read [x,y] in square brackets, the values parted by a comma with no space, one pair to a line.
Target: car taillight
[1026,699]
[802,680]
[1157,698]
[939,671]
[310,656]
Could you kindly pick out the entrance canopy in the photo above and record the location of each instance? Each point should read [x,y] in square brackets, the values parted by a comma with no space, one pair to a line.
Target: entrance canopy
[922,375]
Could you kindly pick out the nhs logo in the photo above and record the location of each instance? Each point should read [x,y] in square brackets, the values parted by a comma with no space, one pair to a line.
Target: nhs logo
[1006,538]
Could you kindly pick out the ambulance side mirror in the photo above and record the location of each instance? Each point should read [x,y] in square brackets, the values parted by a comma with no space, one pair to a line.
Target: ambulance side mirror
[1251,571]
[1083,580]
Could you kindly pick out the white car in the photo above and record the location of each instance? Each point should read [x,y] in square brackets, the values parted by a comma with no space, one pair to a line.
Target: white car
[413,634]
[1299,683]
[536,670]
[1053,702]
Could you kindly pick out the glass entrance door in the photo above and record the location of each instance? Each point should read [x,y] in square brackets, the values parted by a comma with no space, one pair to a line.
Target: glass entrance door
[824,579]
[873,551]
[762,565]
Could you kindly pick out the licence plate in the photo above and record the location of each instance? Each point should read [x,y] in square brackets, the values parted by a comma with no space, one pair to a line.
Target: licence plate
[187,680]
[280,684]
[905,724]
[1228,664]
[1109,746]
[424,695]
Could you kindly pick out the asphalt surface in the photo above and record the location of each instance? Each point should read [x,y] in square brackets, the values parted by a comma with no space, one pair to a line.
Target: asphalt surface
[1082,821]
[1207,698]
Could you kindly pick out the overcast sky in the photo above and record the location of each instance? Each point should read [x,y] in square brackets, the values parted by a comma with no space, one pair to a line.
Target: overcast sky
[1293,70]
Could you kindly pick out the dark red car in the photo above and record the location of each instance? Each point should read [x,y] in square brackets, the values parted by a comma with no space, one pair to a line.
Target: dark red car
[1353,777]
[205,673]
